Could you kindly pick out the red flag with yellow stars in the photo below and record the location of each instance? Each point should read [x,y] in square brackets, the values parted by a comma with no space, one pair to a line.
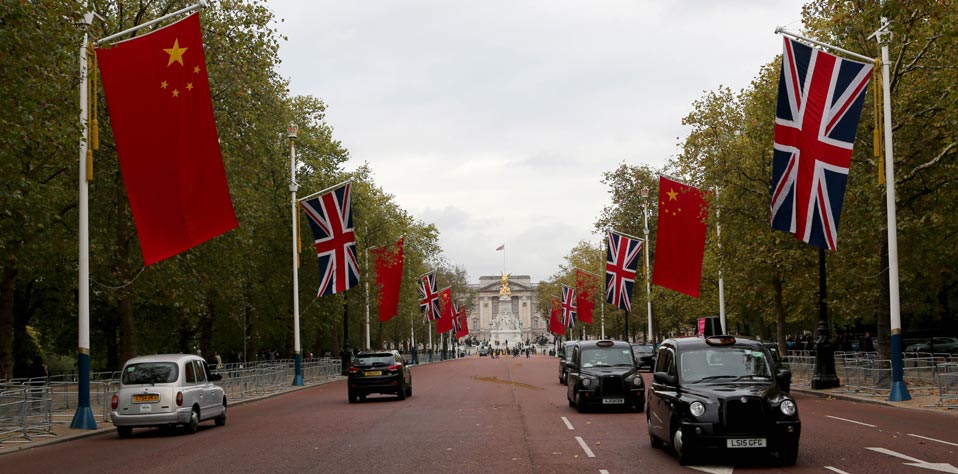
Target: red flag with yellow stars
[555,322]
[444,323]
[389,263]
[680,237]
[158,96]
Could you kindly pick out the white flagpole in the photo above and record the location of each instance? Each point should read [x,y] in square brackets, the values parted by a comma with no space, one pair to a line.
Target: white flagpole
[366,255]
[648,283]
[291,132]
[721,281]
[83,418]
[602,306]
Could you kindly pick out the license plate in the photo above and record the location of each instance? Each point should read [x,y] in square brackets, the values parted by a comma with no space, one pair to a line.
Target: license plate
[146,398]
[746,443]
[374,372]
[613,401]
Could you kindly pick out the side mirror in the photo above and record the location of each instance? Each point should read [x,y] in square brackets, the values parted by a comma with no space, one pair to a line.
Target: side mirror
[216,377]
[784,378]
[571,365]
[664,378]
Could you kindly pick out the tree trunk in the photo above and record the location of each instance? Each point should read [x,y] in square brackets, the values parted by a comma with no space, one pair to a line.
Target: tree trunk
[127,348]
[779,312]
[7,288]
[206,330]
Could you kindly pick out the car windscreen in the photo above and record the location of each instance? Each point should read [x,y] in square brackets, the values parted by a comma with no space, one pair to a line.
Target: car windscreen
[374,360]
[606,357]
[723,364]
[150,373]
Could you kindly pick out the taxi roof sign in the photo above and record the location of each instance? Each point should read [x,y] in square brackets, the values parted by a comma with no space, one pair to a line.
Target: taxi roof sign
[720,340]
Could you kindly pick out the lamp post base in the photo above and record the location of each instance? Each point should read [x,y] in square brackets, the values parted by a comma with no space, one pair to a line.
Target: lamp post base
[298,377]
[825,376]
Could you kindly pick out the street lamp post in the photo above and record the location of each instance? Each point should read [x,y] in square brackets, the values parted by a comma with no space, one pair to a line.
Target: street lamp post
[291,133]
[648,284]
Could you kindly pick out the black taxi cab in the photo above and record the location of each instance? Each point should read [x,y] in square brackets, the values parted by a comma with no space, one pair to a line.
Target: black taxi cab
[604,373]
[721,393]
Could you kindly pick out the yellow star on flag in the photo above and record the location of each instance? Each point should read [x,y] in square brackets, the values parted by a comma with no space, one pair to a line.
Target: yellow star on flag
[176,52]
[189,86]
[672,195]
[176,92]
[196,70]
[163,85]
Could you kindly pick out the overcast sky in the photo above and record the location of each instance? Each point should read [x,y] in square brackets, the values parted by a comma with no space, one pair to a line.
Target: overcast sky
[494,119]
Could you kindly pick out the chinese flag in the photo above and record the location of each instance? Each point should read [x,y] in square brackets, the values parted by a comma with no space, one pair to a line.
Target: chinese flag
[680,237]
[444,323]
[388,266]
[463,324]
[158,97]
[555,322]
[585,285]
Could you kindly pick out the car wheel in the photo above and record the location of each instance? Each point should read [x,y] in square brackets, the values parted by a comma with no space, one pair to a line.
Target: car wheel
[578,403]
[409,391]
[681,451]
[124,431]
[401,393]
[788,455]
[351,397]
[221,420]
[194,423]
[653,440]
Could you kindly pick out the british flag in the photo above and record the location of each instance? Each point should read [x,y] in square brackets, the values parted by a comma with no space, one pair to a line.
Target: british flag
[331,219]
[456,319]
[820,100]
[622,258]
[429,297]
[568,306]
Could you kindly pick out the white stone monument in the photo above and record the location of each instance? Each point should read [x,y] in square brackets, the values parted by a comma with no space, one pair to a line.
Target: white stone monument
[506,325]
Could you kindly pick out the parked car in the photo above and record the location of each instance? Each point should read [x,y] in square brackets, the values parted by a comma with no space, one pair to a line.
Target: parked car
[604,373]
[565,352]
[167,390]
[644,355]
[718,393]
[483,350]
[378,372]
[938,344]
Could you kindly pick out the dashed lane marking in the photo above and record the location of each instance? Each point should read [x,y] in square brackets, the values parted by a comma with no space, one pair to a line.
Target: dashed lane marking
[567,423]
[585,447]
[603,471]
[933,439]
[835,469]
[852,421]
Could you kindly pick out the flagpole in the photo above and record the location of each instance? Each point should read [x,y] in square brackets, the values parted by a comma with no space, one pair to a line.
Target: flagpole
[602,307]
[291,132]
[721,281]
[325,190]
[648,284]
[83,418]
[366,282]
[899,391]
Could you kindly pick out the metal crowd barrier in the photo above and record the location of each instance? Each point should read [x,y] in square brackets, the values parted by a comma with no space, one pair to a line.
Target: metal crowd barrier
[948,384]
[30,407]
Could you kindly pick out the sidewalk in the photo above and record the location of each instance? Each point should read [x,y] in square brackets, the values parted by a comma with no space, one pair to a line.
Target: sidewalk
[61,432]
[919,400]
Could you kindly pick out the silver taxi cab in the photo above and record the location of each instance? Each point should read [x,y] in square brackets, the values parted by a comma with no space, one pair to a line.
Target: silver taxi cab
[167,390]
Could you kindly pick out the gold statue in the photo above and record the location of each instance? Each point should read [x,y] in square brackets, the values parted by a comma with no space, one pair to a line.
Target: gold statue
[504,289]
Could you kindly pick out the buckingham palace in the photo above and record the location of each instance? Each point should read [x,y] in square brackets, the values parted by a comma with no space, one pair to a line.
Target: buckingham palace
[517,295]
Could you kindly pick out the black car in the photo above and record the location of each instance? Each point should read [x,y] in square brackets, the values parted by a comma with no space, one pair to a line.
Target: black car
[604,373]
[379,372]
[718,393]
[565,352]
[644,355]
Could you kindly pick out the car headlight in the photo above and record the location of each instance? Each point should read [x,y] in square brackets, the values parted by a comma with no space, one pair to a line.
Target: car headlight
[788,407]
[697,409]
[586,382]
[637,381]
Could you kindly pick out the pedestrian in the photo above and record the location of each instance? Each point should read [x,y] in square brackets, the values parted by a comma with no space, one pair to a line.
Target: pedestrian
[866,344]
[219,360]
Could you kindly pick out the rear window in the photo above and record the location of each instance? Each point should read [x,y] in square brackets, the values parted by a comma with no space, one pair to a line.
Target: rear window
[150,372]
[373,360]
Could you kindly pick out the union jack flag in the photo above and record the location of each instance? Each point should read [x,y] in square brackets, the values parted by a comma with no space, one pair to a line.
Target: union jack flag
[331,218]
[429,297]
[568,306]
[621,260]
[820,100]
[456,321]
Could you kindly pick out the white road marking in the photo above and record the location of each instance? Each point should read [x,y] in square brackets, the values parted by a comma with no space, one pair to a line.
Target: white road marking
[713,469]
[851,421]
[933,466]
[585,447]
[567,423]
[603,471]
[933,439]
[835,469]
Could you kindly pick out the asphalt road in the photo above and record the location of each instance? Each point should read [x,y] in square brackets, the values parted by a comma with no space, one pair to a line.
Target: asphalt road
[482,415]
